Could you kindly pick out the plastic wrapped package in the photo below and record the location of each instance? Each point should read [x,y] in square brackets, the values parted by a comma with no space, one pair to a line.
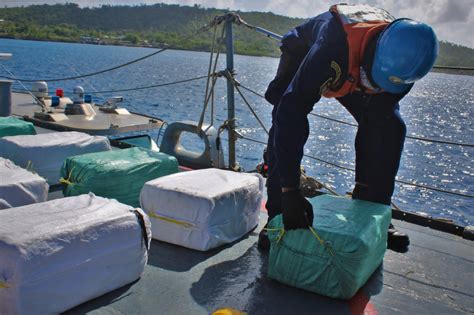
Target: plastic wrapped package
[203,209]
[11,126]
[18,187]
[118,174]
[45,153]
[338,255]
[58,254]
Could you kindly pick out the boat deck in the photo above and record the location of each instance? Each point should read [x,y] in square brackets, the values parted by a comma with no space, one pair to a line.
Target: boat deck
[434,277]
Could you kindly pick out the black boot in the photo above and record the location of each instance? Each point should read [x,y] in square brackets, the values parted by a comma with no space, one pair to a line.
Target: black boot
[263,240]
[397,241]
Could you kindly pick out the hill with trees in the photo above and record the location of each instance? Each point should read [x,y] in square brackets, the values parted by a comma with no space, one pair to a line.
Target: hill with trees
[159,25]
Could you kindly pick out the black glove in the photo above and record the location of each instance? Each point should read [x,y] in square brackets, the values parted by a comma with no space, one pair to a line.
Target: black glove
[297,211]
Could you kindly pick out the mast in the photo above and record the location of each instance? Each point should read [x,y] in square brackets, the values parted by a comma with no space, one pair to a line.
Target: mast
[230,18]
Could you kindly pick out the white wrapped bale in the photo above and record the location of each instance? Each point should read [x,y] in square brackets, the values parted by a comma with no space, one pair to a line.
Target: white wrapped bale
[203,209]
[19,187]
[45,153]
[58,254]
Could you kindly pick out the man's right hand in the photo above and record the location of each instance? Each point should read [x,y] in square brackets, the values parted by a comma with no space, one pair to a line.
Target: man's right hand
[297,211]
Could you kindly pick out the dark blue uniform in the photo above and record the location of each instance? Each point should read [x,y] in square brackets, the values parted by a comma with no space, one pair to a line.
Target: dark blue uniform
[305,67]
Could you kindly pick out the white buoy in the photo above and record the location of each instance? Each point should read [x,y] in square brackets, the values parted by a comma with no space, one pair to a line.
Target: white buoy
[78,97]
[40,89]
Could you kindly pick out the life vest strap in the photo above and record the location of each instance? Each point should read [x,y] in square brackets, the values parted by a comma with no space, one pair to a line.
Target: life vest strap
[360,23]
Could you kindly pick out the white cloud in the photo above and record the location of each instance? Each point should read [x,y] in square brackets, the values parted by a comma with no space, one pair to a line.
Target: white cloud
[452,20]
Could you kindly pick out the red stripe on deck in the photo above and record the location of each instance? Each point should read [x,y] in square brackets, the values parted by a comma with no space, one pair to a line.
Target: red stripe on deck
[360,305]
[184,168]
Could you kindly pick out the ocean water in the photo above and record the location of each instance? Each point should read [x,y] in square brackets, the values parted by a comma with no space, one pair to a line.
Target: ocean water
[440,106]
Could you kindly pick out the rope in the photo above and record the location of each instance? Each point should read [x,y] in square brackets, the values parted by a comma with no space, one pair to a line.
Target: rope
[214,80]
[169,220]
[4,285]
[67,181]
[202,29]
[85,81]
[308,156]
[236,85]
[468,145]
[252,91]
[270,34]
[400,181]
[23,86]
[211,58]
[151,86]
[332,191]
[140,87]
[92,73]
[282,231]
[335,120]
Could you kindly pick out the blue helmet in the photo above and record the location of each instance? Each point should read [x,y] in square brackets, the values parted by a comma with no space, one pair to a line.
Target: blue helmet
[405,52]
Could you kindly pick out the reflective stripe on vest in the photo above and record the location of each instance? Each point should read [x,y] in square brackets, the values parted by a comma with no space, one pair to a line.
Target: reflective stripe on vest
[361,23]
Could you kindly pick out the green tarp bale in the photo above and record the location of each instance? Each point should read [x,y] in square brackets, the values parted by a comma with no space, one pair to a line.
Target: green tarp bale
[117,174]
[346,245]
[11,126]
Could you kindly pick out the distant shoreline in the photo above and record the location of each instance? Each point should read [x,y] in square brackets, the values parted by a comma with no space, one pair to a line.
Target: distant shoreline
[126,45]
[460,71]
[129,45]
[81,42]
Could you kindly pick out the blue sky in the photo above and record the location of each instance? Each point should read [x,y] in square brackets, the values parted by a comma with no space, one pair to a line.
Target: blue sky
[452,20]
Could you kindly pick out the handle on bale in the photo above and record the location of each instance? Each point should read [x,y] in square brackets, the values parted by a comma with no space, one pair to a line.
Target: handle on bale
[159,217]
[66,181]
[312,230]
[4,285]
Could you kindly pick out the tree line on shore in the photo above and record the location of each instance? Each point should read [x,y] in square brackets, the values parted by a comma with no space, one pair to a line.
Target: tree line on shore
[161,25]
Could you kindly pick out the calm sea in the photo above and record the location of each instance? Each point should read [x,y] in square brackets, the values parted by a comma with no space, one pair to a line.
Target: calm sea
[440,106]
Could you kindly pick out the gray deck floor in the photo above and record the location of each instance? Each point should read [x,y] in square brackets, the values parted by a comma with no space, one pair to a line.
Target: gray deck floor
[434,277]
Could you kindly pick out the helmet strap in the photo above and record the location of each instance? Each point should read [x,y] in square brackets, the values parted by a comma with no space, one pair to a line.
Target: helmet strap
[368,59]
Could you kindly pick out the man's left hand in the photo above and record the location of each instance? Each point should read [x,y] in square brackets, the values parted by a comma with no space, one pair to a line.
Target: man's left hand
[296,210]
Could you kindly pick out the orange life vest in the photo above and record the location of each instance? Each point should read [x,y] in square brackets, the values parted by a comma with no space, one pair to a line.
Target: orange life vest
[361,23]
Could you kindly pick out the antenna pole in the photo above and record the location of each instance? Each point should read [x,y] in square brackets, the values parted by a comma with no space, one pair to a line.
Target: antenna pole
[268,33]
